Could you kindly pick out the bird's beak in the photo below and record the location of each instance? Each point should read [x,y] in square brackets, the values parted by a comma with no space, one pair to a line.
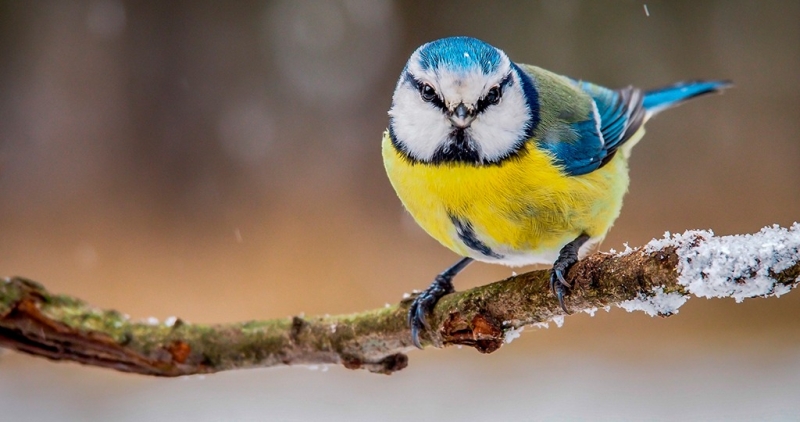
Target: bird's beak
[461,116]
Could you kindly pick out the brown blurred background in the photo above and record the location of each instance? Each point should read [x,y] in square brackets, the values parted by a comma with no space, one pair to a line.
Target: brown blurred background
[221,162]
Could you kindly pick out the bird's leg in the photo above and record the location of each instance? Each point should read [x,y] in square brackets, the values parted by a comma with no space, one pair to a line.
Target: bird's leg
[423,304]
[566,259]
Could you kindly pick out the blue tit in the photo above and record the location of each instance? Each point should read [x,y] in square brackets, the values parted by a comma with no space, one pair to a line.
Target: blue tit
[509,163]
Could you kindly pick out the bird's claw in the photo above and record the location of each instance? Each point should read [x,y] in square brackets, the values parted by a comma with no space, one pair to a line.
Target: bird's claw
[417,319]
[560,287]
[423,305]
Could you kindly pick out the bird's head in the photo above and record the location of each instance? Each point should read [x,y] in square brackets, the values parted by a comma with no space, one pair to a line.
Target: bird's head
[461,100]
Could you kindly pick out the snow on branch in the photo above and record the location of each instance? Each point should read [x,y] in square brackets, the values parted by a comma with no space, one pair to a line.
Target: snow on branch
[657,279]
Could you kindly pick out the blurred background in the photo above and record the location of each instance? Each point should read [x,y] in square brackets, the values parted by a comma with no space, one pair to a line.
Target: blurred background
[221,162]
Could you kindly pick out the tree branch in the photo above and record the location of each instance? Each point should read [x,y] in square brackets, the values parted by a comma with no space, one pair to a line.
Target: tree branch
[656,278]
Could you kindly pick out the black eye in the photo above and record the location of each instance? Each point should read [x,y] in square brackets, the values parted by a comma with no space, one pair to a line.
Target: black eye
[427,92]
[493,96]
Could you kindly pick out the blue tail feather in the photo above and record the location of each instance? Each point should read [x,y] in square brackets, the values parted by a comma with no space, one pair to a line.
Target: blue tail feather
[670,96]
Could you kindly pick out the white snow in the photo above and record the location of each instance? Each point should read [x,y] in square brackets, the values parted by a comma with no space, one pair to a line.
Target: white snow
[628,250]
[591,311]
[512,333]
[170,321]
[780,290]
[660,303]
[737,266]
[559,320]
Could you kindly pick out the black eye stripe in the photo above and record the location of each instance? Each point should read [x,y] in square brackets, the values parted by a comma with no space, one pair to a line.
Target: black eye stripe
[507,81]
[439,103]
[411,80]
[418,85]
[484,103]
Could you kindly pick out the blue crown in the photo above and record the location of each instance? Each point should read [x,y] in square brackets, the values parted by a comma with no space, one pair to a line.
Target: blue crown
[459,54]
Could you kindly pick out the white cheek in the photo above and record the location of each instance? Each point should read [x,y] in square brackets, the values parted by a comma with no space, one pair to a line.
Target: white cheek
[419,126]
[500,127]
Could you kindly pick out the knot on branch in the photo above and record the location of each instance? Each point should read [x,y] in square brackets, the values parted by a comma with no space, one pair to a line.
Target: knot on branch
[480,332]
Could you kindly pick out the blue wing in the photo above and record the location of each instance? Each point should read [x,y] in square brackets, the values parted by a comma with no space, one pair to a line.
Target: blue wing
[616,115]
[588,144]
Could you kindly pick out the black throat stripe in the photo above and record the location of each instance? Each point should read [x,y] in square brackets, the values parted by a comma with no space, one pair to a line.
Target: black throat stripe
[467,235]
[460,149]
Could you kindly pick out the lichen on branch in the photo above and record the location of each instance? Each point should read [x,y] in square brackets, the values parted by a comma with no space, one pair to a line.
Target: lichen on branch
[656,279]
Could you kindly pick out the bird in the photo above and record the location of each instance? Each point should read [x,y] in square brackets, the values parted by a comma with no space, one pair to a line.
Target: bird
[509,163]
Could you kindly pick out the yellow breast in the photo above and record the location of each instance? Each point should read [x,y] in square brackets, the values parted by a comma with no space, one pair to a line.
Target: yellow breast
[524,210]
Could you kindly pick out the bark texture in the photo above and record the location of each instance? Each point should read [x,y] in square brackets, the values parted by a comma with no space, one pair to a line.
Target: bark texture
[60,327]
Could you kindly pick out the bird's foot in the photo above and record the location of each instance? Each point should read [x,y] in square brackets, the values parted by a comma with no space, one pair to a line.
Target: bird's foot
[423,305]
[567,257]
